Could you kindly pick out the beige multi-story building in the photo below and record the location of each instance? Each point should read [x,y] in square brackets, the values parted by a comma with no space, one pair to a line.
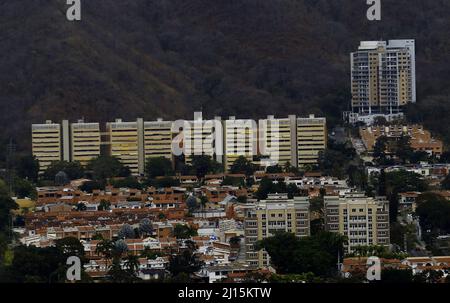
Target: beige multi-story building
[203,137]
[158,139]
[46,143]
[311,139]
[383,76]
[363,220]
[85,141]
[277,140]
[240,140]
[293,140]
[275,214]
[126,143]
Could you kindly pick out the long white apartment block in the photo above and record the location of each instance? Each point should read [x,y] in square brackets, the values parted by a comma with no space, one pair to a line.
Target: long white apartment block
[293,140]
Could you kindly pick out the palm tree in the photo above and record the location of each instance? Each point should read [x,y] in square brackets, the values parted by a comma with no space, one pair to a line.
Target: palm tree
[120,247]
[105,248]
[132,264]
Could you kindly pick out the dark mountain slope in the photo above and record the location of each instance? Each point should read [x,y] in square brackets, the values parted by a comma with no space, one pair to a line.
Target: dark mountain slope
[167,58]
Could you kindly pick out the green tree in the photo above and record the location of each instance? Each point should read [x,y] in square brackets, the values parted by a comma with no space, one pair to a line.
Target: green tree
[161,182]
[117,274]
[316,254]
[293,191]
[233,181]
[104,205]
[337,158]
[42,265]
[90,186]
[357,177]
[126,232]
[419,156]
[379,150]
[266,187]
[132,264]
[401,181]
[434,213]
[187,263]
[127,182]
[6,206]
[242,199]
[70,246]
[73,170]
[105,248]
[403,149]
[192,203]
[317,205]
[446,183]
[181,231]
[28,168]
[24,189]
[276,169]
[146,226]
[289,168]
[158,167]
[202,165]
[242,166]
[106,167]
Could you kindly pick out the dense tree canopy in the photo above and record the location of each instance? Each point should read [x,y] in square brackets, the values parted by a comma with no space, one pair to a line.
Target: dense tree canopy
[434,213]
[202,165]
[446,182]
[338,159]
[267,187]
[182,231]
[158,167]
[28,168]
[317,254]
[105,167]
[73,170]
[242,166]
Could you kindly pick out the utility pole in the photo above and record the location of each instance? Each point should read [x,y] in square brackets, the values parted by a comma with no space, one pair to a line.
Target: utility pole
[10,156]
[405,242]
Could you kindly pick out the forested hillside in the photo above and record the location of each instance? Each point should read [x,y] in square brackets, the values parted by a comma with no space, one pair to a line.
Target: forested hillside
[166,58]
